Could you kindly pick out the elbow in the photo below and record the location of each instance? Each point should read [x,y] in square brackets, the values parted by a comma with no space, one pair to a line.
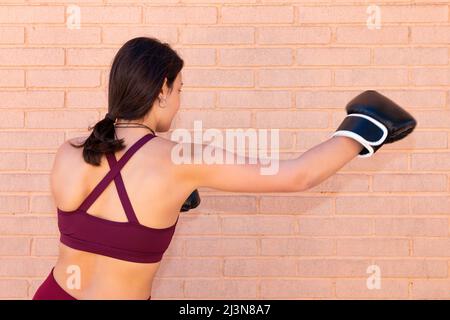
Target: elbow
[301,182]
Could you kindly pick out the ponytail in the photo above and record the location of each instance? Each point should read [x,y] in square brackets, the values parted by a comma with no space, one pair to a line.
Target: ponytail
[101,140]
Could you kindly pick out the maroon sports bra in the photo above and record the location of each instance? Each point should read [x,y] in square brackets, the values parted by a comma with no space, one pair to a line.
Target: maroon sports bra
[128,241]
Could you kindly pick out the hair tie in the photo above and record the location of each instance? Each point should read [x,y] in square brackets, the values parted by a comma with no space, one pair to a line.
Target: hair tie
[110,117]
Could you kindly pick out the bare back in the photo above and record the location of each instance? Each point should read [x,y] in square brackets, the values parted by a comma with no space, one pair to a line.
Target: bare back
[149,179]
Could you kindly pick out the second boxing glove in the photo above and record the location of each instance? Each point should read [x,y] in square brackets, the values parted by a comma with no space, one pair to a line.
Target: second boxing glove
[191,202]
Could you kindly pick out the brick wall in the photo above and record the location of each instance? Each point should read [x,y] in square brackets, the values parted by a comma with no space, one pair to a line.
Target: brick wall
[291,65]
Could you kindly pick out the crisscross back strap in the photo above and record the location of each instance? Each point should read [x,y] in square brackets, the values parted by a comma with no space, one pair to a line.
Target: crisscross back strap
[90,199]
[123,194]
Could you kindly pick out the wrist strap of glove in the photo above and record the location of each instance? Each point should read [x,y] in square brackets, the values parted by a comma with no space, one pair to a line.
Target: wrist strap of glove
[366,130]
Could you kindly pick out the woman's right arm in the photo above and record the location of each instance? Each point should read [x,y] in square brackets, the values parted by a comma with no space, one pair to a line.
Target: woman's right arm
[299,174]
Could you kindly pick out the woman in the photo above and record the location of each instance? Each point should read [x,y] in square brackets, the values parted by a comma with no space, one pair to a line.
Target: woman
[111,190]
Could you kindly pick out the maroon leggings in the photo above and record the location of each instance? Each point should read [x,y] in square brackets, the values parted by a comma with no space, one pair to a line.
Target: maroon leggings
[51,290]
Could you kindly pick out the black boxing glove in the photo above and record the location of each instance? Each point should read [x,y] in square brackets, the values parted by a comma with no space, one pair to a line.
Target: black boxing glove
[373,120]
[191,202]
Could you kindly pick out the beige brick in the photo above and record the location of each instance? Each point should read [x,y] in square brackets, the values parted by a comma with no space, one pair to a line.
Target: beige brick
[258,225]
[430,34]
[42,204]
[324,98]
[425,205]
[258,99]
[12,35]
[15,246]
[358,14]
[294,77]
[333,56]
[31,139]
[190,267]
[63,35]
[255,56]
[111,14]
[24,182]
[410,182]
[13,288]
[32,14]
[334,226]
[87,99]
[32,56]
[90,56]
[212,246]
[257,14]
[410,56]
[45,246]
[296,205]
[221,288]
[430,289]
[357,288]
[331,14]
[31,99]
[28,225]
[273,267]
[12,78]
[12,119]
[294,35]
[198,56]
[371,77]
[433,119]
[292,119]
[218,77]
[430,76]
[388,247]
[227,204]
[180,15]
[13,161]
[61,119]
[198,99]
[415,13]
[379,162]
[26,267]
[63,78]
[296,288]
[430,161]
[345,268]
[412,268]
[212,35]
[40,161]
[13,204]
[431,247]
[372,205]
[364,35]
[297,246]
[432,227]
[167,288]
[213,119]
[199,224]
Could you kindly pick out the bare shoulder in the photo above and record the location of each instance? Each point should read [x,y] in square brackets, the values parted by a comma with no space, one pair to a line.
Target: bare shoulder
[66,171]
[160,148]
[67,153]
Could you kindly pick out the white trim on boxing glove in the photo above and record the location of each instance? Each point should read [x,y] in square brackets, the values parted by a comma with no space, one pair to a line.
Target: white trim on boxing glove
[366,144]
[357,137]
